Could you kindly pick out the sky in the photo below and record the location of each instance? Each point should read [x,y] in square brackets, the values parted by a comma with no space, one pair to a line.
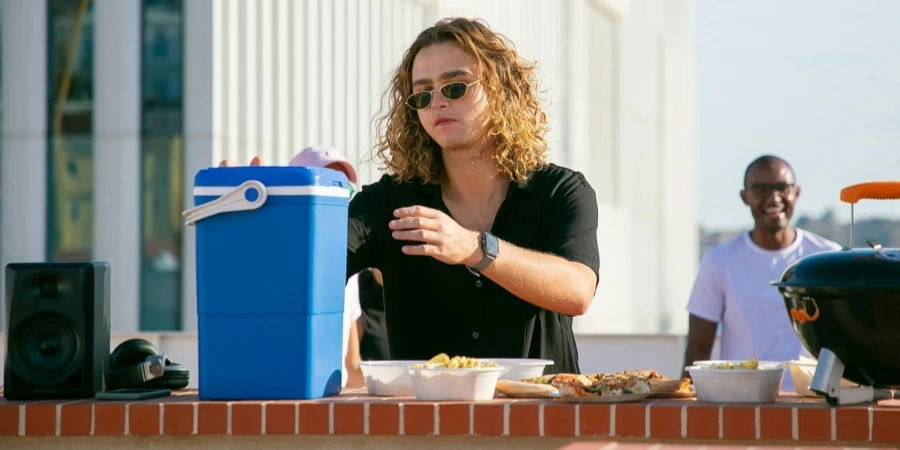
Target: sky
[816,82]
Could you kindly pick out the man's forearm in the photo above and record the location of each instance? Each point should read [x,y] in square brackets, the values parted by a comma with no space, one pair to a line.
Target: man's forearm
[548,281]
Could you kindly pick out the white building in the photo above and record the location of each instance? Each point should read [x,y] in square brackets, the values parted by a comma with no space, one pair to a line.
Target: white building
[102,134]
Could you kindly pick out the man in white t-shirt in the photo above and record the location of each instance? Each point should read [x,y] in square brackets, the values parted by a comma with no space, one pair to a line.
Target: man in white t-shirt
[350,375]
[732,285]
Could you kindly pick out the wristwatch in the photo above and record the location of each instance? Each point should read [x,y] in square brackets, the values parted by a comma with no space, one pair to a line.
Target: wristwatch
[491,247]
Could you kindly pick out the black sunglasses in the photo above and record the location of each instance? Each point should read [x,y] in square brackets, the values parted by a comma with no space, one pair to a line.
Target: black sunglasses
[451,91]
[765,189]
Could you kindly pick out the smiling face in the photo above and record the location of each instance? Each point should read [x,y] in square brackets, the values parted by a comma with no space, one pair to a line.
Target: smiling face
[771,193]
[453,124]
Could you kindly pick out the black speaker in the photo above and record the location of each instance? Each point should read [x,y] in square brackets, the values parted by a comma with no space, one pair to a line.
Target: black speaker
[57,324]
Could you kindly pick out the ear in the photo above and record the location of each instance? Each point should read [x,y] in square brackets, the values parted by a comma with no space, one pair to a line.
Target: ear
[797,192]
[744,197]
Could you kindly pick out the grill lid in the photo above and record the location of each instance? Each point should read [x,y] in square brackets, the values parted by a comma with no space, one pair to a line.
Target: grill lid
[858,268]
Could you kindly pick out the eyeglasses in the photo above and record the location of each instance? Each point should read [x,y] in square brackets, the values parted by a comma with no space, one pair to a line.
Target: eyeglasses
[451,91]
[765,189]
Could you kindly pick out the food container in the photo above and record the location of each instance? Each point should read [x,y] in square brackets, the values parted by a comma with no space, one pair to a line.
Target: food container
[455,384]
[518,369]
[388,378]
[760,385]
[802,372]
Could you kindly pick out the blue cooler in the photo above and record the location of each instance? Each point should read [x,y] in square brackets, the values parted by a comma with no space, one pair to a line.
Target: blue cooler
[271,262]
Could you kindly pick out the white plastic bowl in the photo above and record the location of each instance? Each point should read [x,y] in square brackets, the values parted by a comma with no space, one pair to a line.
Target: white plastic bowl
[518,369]
[455,384]
[388,378]
[737,385]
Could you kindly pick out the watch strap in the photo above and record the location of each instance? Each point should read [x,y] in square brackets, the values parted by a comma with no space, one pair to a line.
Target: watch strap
[487,259]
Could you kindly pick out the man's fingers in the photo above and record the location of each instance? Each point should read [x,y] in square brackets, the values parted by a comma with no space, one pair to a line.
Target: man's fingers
[413,223]
[420,250]
[256,161]
[419,211]
[426,236]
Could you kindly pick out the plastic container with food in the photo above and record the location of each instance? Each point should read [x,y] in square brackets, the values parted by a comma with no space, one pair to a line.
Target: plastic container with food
[454,379]
[388,378]
[518,369]
[748,381]
[802,372]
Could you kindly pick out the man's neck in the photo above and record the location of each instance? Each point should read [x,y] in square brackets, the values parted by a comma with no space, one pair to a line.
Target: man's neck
[774,240]
[472,178]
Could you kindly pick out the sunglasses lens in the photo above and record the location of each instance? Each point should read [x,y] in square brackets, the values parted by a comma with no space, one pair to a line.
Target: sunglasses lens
[454,91]
[419,100]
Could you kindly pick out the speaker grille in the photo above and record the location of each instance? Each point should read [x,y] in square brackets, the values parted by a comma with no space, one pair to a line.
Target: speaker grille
[49,349]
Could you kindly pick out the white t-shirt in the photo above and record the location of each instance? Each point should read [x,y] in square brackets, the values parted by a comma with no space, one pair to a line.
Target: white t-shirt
[732,288]
[352,311]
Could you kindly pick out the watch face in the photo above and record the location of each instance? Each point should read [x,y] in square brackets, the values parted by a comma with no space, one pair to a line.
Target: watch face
[491,245]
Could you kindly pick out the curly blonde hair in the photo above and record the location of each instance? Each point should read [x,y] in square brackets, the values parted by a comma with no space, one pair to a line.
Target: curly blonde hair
[518,122]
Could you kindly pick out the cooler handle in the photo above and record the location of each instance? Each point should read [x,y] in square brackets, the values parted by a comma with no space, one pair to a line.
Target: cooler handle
[235,200]
[873,190]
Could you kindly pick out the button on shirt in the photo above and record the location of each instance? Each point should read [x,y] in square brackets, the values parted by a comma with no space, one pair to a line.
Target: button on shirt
[431,307]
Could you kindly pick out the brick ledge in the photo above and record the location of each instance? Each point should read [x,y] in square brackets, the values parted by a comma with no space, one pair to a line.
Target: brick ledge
[792,420]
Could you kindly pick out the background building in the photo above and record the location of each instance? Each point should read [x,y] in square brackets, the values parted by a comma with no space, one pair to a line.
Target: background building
[112,106]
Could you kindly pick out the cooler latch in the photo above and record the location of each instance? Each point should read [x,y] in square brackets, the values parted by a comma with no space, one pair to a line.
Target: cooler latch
[249,195]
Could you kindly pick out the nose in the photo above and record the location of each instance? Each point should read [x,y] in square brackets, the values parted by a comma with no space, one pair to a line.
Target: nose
[438,100]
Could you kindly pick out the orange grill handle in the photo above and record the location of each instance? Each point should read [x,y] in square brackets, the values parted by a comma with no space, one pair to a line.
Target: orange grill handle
[875,190]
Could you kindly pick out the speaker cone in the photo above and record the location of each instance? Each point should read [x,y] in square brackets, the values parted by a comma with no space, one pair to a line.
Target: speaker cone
[49,349]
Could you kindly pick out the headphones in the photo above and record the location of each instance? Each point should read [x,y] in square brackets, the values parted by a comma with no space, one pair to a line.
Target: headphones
[135,364]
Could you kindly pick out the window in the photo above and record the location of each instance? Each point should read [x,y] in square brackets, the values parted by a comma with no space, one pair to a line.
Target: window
[70,141]
[162,83]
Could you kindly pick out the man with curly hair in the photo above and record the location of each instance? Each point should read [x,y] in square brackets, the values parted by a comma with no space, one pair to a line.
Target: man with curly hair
[485,248]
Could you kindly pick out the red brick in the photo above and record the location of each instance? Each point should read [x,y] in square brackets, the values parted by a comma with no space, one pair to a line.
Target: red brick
[851,424]
[488,420]
[703,422]
[665,421]
[775,423]
[814,424]
[75,419]
[738,422]
[109,419]
[559,420]
[143,419]
[212,418]
[524,419]
[348,418]
[178,419]
[418,419]
[281,418]
[246,419]
[630,420]
[9,419]
[314,418]
[453,419]
[886,425]
[40,419]
[594,420]
[384,419]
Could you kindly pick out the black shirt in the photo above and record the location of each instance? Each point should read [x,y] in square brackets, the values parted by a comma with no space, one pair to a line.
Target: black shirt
[431,307]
